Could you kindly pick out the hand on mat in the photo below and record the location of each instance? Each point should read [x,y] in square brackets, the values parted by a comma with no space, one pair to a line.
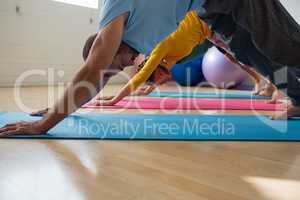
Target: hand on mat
[21,128]
[277,95]
[144,91]
[264,88]
[267,90]
[39,113]
[105,98]
[292,111]
[103,102]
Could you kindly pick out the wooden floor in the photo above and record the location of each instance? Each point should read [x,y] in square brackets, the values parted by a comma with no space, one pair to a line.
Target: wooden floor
[138,170]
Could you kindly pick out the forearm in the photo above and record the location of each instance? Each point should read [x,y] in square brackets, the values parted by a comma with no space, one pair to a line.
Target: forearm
[85,85]
[83,88]
[250,71]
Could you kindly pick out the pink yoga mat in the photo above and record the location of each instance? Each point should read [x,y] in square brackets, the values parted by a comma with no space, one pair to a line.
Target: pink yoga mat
[193,104]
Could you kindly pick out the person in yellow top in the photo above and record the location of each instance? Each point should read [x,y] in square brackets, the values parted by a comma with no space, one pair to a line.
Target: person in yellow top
[191,32]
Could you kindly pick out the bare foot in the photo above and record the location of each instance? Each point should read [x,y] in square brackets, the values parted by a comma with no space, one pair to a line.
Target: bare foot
[39,113]
[292,111]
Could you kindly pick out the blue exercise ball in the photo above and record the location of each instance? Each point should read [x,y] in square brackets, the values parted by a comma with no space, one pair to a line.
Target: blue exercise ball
[188,74]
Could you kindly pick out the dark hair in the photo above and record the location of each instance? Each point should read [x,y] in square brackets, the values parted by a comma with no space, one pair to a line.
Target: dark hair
[88,45]
[151,79]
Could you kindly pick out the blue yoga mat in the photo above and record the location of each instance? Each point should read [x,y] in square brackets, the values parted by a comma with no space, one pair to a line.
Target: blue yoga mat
[226,95]
[162,127]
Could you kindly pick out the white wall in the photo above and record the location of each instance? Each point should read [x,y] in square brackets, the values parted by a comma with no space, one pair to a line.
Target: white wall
[45,34]
[293,7]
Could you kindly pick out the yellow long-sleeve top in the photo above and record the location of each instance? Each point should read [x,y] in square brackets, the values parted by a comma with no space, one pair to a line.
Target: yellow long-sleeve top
[190,32]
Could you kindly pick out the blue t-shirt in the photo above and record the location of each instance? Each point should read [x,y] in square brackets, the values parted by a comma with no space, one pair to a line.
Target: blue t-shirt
[149,21]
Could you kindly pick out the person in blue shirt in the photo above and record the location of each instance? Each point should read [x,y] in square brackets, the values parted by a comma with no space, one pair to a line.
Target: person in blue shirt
[137,25]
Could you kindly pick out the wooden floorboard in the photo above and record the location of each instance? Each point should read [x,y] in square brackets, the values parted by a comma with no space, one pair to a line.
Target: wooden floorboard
[138,170]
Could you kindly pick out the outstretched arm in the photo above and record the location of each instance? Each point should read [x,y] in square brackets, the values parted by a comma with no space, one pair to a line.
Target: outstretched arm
[85,84]
[262,85]
[137,80]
